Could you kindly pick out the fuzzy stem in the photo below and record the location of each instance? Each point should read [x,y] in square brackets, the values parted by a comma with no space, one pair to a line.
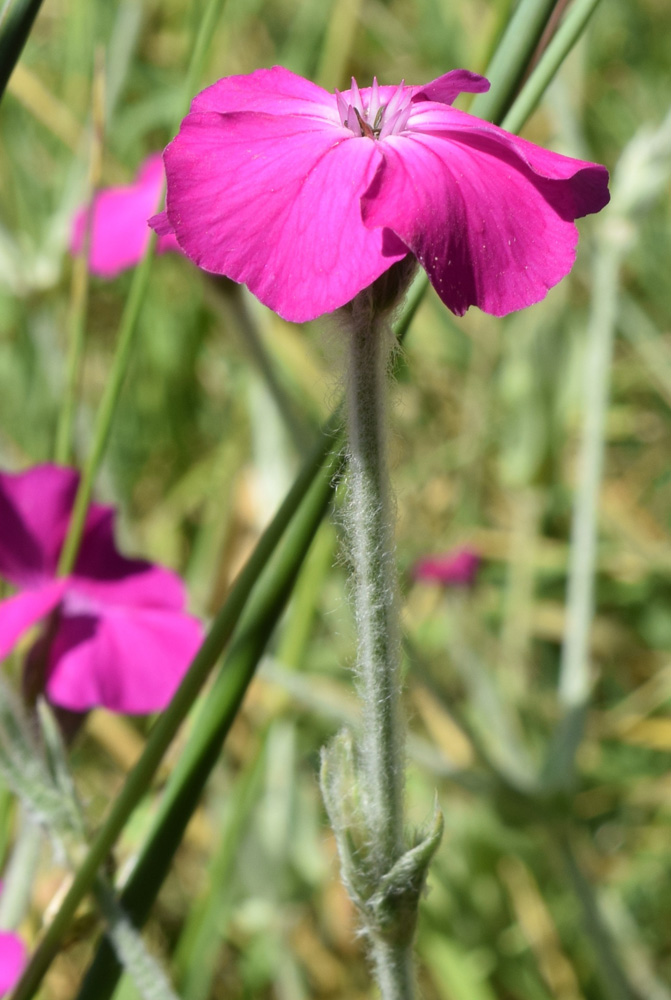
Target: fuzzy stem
[380,751]
[393,970]
[375,600]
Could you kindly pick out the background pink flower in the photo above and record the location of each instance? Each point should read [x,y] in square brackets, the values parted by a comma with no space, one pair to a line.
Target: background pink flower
[121,639]
[120,232]
[12,961]
[457,568]
[307,197]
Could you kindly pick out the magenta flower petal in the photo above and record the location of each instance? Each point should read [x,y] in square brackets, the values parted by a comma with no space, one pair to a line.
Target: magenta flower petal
[12,961]
[308,197]
[448,87]
[274,202]
[275,91]
[120,636]
[129,660]
[35,511]
[22,611]
[587,183]
[454,569]
[103,574]
[120,232]
[489,229]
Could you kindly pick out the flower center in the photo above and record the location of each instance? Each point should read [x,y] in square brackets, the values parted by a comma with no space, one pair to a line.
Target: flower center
[375,112]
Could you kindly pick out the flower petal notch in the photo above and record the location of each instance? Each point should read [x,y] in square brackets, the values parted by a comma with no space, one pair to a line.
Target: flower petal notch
[119,227]
[118,635]
[307,197]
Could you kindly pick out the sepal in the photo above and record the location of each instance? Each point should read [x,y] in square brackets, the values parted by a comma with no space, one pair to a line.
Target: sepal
[387,903]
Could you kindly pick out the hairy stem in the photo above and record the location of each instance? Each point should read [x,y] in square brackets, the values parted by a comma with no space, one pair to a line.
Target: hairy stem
[380,750]
[394,970]
[375,601]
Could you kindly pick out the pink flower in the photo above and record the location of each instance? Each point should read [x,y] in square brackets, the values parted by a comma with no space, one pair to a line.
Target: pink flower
[121,638]
[307,197]
[120,233]
[457,568]
[12,961]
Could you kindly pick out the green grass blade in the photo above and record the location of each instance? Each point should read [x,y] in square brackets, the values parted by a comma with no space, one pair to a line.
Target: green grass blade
[107,409]
[199,943]
[567,35]
[213,723]
[613,981]
[512,57]
[14,32]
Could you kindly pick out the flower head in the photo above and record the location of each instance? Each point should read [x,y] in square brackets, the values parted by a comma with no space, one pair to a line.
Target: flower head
[119,636]
[119,231]
[308,197]
[457,568]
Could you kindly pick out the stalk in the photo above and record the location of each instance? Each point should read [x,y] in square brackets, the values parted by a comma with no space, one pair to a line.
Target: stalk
[76,324]
[375,587]
[613,981]
[363,783]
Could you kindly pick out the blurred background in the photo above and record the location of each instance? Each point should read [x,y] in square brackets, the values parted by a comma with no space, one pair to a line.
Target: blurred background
[528,900]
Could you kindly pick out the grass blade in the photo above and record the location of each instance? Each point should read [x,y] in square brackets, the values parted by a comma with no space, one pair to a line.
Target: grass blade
[14,31]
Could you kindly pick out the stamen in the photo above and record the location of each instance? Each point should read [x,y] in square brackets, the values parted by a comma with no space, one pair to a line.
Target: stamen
[364,126]
[375,120]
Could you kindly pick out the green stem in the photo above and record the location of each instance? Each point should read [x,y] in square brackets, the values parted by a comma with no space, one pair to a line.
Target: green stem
[613,979]
[76,340]
[375,600]
[76,326]
[574,671]
[394,970]
[375,586]
[107,410]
